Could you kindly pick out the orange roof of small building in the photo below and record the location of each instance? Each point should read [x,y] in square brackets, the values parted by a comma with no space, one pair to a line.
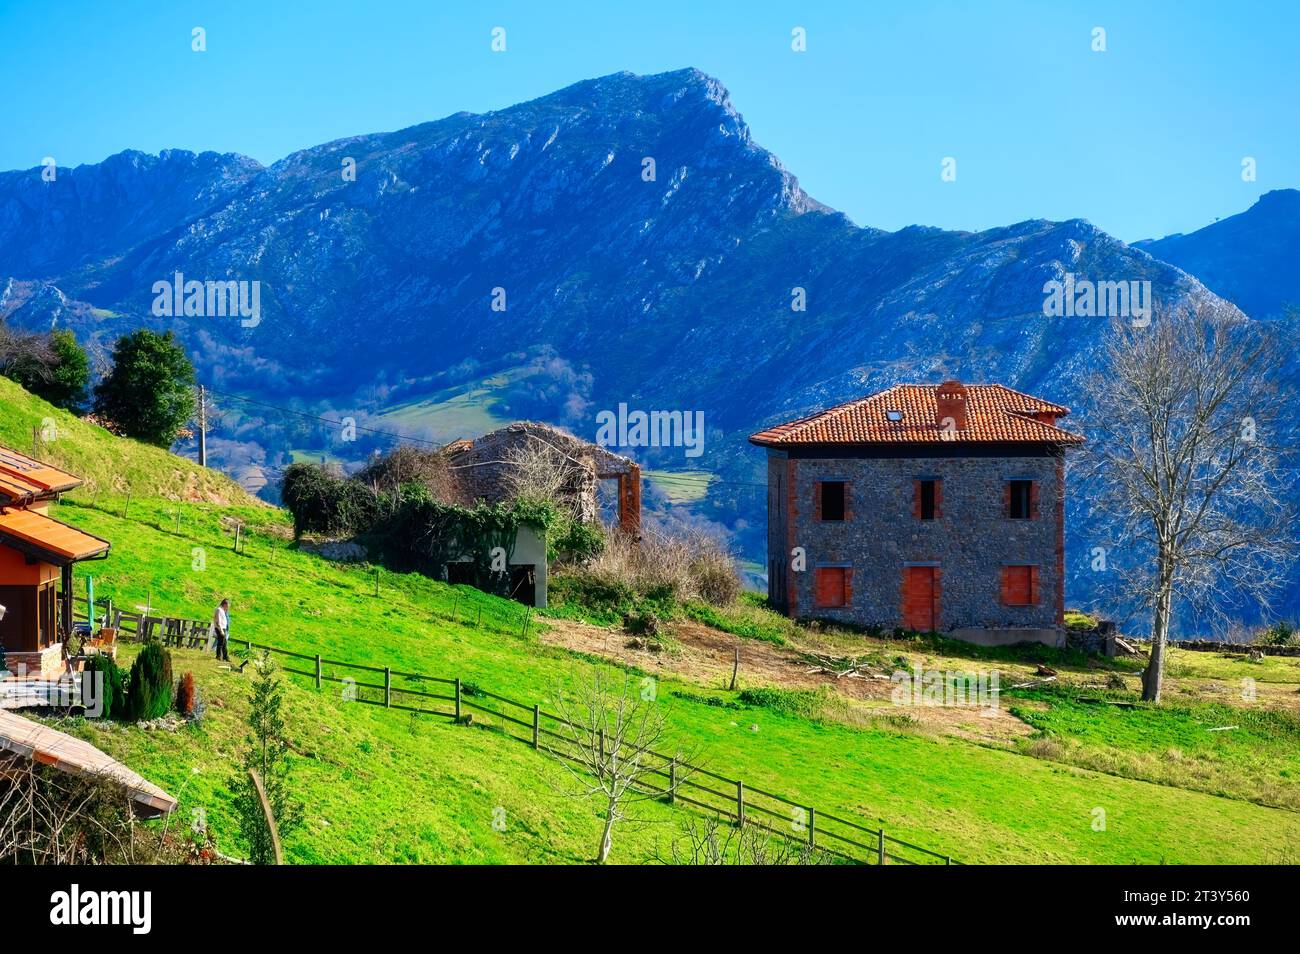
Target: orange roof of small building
[25,478]
[908,414]
[62,543]
[48,746]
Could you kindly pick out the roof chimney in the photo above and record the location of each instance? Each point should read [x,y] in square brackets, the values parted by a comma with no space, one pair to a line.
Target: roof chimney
[950,406]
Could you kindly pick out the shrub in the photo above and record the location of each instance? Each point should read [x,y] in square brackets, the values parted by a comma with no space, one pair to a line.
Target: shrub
[580,541]
[322,501]
[1281,633]
[185,695]
[110,688]
[150,689]
[713,573]
[675,566]
[643,624]
[807,703]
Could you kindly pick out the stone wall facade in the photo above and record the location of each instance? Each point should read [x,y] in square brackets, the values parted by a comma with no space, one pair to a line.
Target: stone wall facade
[968,544]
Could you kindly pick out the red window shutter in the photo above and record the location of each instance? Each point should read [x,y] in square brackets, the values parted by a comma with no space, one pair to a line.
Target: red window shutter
[1018,585]
[1033,586]
[830,585]
[848,586]
[916,499]
[938,499]
[1033,500]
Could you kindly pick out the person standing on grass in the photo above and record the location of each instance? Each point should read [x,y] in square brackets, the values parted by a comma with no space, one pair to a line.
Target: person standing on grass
[221,626]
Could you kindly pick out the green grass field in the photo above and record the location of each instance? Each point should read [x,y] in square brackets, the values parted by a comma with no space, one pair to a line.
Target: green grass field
[976,803]
[681,486]
[385,786]
[453,413]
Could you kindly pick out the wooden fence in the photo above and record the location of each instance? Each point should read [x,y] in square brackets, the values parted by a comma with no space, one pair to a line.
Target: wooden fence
[732,799]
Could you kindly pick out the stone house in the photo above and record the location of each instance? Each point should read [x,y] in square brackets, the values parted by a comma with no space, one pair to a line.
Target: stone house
[468,472]
[923,507]
[480,471]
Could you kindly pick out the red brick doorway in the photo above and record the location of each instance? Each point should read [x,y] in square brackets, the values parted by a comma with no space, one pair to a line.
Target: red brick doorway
[921,598]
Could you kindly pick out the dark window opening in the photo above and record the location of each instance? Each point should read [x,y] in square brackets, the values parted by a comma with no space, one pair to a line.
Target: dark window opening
[832,492]
[1021,494]
[929,510]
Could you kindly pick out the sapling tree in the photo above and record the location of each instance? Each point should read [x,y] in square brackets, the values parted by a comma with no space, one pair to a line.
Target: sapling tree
[610,727]
[266,754]
[1186,461]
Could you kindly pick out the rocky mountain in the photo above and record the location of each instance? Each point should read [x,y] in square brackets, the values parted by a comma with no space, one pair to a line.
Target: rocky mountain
[672,284]
[1251,259]
[620,240]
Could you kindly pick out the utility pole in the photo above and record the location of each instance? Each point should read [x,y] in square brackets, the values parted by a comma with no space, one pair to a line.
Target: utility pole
[203,426]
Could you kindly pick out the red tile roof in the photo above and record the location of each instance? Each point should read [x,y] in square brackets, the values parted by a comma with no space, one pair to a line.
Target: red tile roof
[995,414]
[25,478]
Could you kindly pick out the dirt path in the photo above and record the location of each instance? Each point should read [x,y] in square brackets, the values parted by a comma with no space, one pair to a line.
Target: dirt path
[705,656]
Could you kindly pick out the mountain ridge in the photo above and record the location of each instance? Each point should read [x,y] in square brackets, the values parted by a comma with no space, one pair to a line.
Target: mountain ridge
[717,283]
[1248,258]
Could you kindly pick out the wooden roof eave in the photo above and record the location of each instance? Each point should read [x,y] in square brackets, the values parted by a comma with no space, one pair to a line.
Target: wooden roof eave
[40,553]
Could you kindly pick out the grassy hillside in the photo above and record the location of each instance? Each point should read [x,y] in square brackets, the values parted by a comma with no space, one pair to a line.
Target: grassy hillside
[388,786]
[107,464]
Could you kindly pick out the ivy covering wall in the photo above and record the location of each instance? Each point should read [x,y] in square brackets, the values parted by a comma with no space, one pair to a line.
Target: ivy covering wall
[409,531]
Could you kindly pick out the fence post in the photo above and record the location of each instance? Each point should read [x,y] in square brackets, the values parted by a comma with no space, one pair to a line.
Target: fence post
[740,803]
[672,781]
[880,850]
[458,698]
[537,723]
[318,677]
[812,827]
[388,687]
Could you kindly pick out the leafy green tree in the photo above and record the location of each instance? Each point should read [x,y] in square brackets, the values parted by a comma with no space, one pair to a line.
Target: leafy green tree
[57,371]
[267,755]
[149,393]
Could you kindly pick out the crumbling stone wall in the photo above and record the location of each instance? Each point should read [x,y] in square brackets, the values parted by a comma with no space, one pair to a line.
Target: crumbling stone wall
[482,466]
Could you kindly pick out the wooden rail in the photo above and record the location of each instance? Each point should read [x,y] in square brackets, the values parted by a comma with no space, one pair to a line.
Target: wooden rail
[733,799]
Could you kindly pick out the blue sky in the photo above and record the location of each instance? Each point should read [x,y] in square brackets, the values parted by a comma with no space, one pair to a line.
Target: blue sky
[1144,139]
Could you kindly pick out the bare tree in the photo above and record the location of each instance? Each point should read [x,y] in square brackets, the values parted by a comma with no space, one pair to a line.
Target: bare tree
[710,841]
[540,472]
[1186,460]
[25,349]
[609,729]
[51,817]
